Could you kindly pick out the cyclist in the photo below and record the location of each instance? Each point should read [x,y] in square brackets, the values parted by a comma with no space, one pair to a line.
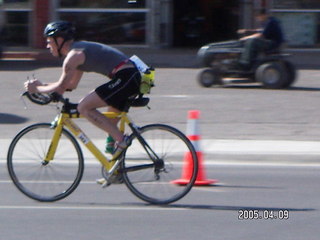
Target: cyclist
[85,56]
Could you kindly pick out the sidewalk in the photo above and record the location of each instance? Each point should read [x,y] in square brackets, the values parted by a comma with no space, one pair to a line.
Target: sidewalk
[164,57]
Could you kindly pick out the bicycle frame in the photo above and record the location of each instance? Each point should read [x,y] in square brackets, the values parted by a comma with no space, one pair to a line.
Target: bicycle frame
[65,120]
[149,166]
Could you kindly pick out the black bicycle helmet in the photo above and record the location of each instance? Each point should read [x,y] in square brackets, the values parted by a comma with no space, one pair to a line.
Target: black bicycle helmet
[62,29]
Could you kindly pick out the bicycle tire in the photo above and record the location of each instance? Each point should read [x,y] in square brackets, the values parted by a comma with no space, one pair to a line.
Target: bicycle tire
[153,181]
[44,182]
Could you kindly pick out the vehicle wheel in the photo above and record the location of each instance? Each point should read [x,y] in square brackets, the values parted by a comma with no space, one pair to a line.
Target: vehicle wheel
[153,165]
[272,75]
[209,77]
[291,72]
[40,180]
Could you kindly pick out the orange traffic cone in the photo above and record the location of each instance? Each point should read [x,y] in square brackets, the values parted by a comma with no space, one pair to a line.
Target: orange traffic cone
[194,137]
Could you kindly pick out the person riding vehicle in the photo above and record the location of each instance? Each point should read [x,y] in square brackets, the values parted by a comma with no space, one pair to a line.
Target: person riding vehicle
[269,37]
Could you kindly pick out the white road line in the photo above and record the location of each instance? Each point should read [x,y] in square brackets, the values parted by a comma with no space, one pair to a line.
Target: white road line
[173,96]
[261,147]
[223,147]
[51,181]
[279,164]
[232,146]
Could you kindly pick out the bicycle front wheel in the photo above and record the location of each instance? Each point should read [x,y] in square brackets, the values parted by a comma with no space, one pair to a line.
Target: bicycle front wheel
[153,162]
[39,180]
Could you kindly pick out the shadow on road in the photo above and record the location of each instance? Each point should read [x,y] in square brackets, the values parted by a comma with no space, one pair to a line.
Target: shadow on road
[7,118]
[236,208]
[26,65]
[256,87]
[188,206]
[303,89]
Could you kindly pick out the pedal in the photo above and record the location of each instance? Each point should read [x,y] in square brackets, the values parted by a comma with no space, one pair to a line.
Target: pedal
[103,182]
[114,179]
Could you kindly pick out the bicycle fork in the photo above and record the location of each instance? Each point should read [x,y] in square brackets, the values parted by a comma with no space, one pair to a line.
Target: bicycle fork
[57,126]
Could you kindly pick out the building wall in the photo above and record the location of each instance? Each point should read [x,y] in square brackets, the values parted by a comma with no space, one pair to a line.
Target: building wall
[300,21]
[40,17]
[154,23]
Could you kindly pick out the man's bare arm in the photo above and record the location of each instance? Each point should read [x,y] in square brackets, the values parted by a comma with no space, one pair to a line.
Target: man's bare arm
[69,78]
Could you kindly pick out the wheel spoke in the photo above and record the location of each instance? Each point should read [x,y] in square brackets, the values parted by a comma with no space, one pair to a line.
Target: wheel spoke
[153,181]
[40,180]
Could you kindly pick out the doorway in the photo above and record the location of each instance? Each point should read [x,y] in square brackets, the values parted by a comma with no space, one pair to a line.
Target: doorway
[198,22]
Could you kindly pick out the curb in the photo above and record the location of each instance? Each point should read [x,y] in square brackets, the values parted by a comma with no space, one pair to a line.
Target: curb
[167,58]
[170,58]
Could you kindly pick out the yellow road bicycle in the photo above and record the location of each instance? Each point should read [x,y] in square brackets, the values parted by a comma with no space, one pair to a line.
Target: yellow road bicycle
[45,161]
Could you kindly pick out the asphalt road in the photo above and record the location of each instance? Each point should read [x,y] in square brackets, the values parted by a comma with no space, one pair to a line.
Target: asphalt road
[233,112]
[285,198]
[264,155]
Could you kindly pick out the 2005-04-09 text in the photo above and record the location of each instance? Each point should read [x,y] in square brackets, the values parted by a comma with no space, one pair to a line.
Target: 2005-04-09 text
[252,214]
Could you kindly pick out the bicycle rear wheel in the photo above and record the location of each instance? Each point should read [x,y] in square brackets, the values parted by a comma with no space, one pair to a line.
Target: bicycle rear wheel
[149,172]
[39,180]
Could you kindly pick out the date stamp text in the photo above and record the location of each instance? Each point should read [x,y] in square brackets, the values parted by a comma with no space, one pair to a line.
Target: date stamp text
[255,214]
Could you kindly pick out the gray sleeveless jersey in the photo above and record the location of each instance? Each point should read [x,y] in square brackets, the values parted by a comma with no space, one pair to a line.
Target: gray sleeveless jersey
[100,58]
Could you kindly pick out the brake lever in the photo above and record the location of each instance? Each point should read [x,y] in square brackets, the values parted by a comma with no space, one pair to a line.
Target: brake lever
[23,100]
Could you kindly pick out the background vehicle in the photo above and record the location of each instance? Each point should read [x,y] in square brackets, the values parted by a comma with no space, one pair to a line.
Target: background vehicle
[272,69]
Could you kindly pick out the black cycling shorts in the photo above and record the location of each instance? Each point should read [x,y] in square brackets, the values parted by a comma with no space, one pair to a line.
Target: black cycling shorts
[123,85]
